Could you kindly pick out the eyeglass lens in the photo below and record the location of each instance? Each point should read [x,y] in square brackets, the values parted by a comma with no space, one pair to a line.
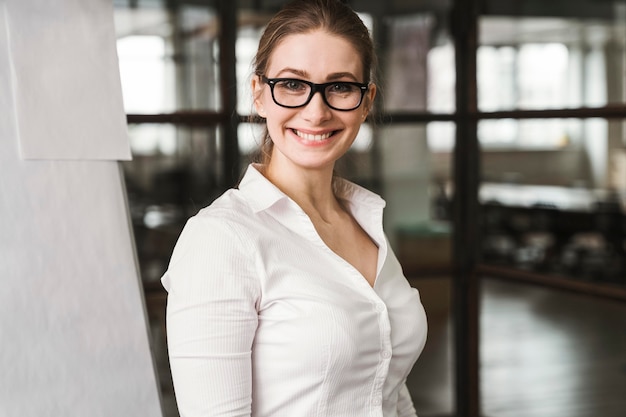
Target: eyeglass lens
[295,93]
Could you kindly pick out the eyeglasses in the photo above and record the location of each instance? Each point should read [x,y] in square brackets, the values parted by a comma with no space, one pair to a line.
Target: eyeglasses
[338,95]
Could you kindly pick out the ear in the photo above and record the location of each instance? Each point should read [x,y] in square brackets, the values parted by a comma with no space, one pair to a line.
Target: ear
[369,100]
[257,95]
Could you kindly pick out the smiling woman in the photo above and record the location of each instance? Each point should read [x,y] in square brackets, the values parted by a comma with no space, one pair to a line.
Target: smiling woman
[284,295]
[317,56]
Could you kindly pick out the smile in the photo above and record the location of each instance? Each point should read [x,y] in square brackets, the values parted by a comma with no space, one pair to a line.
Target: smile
[313,138]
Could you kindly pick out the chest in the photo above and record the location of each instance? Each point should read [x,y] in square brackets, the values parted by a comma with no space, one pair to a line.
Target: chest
[316,305]
[350,242]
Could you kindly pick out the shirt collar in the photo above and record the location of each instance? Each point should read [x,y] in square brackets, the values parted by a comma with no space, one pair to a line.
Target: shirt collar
[365,206]
[261,194]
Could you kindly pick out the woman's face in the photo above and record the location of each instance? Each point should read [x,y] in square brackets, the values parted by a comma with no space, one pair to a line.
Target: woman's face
[313,136]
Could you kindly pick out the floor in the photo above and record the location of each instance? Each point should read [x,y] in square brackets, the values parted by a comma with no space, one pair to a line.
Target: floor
[544,353]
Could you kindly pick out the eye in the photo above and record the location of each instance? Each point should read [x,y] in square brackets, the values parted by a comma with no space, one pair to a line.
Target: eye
[341,88]
[292,85]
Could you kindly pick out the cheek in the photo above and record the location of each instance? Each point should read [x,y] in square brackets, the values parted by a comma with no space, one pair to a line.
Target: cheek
[355,120]
[275,119]
[275,114]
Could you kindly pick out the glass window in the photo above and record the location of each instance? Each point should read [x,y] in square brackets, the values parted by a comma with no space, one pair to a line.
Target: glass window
[250,136]
[172,175]
[418,65]
[196,49]
[163,149]
[416,181]
[530,76]
[441,78]
[441,136]
[530,133]
[143,72]
[169,57]
[547,62]
[247,43]
[559,211]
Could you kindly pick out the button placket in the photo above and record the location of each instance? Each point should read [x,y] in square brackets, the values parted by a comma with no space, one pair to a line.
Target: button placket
[384,353]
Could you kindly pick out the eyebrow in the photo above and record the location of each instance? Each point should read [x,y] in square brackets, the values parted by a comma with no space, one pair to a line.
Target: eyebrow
[305,75]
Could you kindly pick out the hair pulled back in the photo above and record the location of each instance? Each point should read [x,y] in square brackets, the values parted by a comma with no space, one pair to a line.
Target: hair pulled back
[304,16]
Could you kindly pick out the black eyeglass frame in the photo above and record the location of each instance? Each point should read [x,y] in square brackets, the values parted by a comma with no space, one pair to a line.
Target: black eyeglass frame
[321,88]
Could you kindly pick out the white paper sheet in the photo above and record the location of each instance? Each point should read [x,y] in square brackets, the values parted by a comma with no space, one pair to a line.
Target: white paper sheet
[73,335]
[66,80]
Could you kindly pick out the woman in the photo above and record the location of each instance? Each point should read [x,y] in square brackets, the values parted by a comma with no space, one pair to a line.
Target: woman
[284,296]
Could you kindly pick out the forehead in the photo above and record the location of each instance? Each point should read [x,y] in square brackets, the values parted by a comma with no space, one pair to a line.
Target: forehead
[316,54]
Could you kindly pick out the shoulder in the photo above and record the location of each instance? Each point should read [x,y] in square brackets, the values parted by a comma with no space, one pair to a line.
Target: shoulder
[229,204]
[228,218]
[229,213]
[213,242]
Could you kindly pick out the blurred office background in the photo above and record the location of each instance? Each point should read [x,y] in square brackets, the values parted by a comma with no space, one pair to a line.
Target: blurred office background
[499,144]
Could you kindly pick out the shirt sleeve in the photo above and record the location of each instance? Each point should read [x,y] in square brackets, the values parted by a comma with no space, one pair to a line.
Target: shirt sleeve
[405,403]
[211,319]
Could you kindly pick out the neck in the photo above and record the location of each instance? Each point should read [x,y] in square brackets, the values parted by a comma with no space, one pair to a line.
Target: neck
[311,189]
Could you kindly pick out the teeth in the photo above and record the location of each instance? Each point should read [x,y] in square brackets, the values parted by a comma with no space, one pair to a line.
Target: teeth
[315,138]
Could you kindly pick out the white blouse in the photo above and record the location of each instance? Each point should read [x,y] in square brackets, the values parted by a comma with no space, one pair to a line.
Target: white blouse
[264,320]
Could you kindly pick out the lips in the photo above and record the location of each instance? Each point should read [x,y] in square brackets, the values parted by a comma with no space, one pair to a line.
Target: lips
[313,137]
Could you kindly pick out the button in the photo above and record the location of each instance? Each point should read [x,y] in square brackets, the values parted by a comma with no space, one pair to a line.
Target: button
[386,354]
[380,307]
[377,401]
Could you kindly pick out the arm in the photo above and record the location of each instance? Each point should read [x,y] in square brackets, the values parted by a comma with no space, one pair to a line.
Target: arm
[405,403]
[211,320]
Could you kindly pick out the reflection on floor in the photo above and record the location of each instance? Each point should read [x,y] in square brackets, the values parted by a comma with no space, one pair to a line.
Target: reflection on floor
[551,354]
[544,353]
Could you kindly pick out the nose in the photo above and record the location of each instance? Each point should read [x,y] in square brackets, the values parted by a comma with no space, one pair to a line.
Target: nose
[317,110]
